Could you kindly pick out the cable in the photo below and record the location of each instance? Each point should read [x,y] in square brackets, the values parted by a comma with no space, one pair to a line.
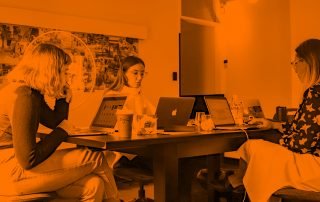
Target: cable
[245,132]
[245,196]
[247,136]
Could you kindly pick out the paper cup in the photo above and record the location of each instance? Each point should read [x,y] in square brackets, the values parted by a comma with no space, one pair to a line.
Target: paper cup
[124,121]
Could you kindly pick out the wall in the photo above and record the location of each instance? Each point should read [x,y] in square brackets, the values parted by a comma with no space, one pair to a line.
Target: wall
[255,39]
[304,25]
[161,18]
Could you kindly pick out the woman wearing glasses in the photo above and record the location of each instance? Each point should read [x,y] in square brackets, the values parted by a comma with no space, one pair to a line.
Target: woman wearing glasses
[266,167]
[128,82]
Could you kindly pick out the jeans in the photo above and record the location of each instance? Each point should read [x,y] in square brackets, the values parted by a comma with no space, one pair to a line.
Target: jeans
[74,174]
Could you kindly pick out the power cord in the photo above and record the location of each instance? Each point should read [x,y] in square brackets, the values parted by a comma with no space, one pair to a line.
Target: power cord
[244,197]
[245,192]
[245,132]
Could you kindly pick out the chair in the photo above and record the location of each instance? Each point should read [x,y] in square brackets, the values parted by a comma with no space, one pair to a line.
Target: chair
[143,177]
[296,195]
[37,197]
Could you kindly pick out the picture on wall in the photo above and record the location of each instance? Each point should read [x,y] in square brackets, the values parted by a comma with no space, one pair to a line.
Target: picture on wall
[96,58]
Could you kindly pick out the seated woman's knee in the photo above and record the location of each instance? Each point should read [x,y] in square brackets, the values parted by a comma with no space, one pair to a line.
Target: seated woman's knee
[93,188]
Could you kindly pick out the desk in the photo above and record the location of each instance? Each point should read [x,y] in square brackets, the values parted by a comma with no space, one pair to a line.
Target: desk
[170,185]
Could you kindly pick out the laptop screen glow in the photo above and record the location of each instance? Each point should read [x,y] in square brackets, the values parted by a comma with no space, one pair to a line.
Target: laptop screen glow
[106,115]
[219,108]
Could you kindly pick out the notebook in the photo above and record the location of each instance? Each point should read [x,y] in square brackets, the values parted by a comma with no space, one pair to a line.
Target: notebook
[219,107]
[173,113]
[104,119]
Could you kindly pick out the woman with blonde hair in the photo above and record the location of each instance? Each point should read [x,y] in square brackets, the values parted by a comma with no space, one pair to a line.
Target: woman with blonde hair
[31,166]
[266,167]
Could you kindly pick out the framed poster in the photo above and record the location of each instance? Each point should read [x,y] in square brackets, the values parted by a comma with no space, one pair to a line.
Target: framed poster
[95,57]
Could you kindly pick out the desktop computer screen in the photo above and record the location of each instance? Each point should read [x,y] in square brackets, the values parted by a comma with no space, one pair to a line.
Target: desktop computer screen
[200,105]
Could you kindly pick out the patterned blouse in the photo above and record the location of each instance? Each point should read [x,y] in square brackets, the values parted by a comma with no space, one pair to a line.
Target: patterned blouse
[302,135]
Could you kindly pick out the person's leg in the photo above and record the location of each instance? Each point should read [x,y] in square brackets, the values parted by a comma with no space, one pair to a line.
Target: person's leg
[88,188]
[236,178]
[270,167]
[63,168]
[245,151]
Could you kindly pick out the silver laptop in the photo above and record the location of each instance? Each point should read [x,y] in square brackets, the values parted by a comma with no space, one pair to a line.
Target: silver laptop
[174,112]
[105,118]
[219,107]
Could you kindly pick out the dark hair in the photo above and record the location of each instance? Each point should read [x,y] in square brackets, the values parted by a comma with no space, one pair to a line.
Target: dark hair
[121,79]
[309,51]
[129,62]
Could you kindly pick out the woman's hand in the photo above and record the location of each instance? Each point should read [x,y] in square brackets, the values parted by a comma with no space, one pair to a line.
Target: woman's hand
[67,126]
[66,93]
[267,124]
[263,123]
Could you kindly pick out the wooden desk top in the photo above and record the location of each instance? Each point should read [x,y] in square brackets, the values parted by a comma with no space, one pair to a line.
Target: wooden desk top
[113,142]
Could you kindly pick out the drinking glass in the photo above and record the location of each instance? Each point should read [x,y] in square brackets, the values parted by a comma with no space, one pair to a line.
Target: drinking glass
[207,123]
[197,120]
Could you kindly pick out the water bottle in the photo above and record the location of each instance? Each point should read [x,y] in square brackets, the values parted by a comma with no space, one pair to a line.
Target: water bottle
[236,106]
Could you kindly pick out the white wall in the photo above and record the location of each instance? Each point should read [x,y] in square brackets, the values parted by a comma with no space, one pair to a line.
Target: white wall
[161,18]
[256,42]
[305,24]
[254,37]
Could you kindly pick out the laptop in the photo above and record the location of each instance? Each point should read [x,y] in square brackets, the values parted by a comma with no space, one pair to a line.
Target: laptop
[104,119]
[219,107]
[253,107]
[173,113]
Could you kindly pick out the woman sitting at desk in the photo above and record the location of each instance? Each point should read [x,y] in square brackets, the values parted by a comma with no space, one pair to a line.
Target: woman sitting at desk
[128,82]
[31,166]
[266,167]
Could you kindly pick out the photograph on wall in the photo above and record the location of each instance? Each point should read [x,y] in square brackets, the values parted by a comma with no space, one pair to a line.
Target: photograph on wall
[96,58]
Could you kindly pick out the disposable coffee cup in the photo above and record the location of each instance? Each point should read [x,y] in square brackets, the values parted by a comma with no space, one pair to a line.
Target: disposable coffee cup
[124,122]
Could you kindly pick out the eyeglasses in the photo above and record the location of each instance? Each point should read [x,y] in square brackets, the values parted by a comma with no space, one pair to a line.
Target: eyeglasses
[296,61]
[141,73]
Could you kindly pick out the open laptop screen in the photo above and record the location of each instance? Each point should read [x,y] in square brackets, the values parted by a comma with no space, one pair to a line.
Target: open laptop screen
[174,111]
[219,108]
[106,114]
[254,107]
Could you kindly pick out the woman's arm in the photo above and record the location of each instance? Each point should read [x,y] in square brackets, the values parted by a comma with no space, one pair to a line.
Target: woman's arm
[25,121]
[51,118]
[303,135]
[267,124]
[278,126]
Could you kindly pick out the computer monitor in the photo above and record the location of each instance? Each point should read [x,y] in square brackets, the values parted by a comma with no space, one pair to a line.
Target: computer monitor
[200,104]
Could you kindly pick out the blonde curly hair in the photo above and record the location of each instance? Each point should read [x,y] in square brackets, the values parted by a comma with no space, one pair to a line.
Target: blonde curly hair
[40,69]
